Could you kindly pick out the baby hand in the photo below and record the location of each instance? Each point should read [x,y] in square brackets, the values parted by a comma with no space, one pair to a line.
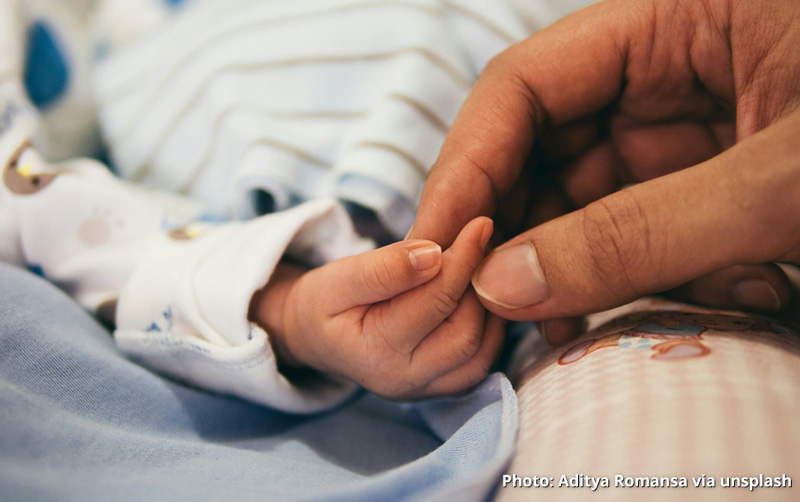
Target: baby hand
[401,320]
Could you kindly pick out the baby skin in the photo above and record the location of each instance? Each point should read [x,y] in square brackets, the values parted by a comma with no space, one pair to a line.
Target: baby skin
[401,321]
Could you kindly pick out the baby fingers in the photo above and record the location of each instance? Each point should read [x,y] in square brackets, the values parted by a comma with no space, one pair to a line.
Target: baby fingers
[472,371]
[453,358]
[405,320]
[380,274]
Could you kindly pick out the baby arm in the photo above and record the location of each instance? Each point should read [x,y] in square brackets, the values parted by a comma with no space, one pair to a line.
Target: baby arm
[400,320]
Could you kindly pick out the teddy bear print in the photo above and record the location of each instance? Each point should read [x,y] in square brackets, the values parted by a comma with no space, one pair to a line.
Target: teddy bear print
[20,178]
[670,335]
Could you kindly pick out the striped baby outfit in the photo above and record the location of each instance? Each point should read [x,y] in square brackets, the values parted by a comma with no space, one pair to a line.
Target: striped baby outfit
[240,131]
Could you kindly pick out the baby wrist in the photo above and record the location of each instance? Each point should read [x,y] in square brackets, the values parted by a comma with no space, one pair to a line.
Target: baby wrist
[271,306]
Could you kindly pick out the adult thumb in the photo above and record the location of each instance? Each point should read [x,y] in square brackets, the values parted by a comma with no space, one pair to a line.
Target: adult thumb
[651,237]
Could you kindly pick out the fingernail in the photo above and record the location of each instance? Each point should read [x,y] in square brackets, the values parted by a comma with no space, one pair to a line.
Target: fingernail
[757,294]
[512,278]
[425,256]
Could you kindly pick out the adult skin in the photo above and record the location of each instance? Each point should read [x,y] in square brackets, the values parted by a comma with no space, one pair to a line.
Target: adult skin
[639,146]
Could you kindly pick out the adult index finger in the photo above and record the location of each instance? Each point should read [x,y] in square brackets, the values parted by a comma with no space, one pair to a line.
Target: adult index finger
[572,69]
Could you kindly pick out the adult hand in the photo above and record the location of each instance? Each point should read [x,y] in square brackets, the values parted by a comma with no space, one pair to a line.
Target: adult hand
[693,102]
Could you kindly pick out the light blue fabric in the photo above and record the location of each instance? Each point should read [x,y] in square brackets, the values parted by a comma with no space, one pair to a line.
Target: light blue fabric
[80,422]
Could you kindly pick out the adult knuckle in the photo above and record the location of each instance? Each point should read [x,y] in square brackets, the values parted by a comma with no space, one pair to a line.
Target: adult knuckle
[508,66]
[618,239]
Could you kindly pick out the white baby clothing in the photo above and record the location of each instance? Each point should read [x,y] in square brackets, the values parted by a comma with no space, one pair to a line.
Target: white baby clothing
[220,112]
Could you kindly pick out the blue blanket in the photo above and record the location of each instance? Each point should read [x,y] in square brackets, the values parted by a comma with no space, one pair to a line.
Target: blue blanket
[78,421]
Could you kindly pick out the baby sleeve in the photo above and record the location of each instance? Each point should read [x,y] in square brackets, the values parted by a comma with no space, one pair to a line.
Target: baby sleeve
[180,287]
[184,309]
